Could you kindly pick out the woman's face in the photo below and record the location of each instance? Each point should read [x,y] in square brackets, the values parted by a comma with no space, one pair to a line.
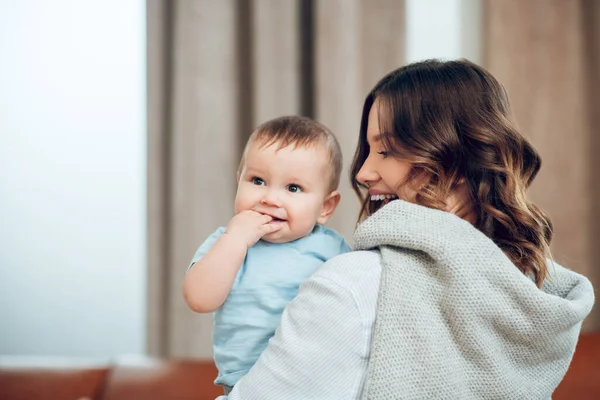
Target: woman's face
[383,174]
[386,176]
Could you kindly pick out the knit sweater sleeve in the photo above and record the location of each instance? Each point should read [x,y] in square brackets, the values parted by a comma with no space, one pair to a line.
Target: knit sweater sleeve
[321,348]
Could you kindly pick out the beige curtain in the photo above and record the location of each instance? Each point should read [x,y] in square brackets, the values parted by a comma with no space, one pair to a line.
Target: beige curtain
[547,54]
[215,70]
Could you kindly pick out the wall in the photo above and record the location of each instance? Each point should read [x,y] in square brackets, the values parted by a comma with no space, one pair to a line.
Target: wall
[72,177]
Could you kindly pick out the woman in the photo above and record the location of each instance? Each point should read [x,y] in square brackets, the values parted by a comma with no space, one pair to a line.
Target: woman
[450,292]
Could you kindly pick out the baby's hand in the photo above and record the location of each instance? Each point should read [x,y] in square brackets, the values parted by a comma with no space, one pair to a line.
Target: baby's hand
[249,226]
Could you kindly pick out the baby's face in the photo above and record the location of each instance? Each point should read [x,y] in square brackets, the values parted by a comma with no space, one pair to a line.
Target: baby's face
[289,184]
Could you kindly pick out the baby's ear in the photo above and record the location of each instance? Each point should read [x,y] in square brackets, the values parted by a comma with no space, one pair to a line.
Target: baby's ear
[329,206]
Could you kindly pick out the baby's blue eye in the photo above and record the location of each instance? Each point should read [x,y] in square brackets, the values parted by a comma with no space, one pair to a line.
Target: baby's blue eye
[258,181]
[294,189]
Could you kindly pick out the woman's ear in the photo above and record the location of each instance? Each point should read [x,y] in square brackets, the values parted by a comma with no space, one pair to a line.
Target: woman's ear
[329,206]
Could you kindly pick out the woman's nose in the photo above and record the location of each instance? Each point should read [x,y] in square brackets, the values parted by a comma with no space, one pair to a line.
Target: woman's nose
[366,175]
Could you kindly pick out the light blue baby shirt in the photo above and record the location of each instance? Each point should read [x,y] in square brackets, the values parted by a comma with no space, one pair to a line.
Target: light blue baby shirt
[266,282]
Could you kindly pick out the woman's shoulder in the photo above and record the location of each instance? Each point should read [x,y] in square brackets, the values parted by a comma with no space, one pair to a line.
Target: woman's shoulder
[353,270]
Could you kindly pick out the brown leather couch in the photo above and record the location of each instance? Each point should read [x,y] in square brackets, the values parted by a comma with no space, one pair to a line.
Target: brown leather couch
[25,378]
[54,378]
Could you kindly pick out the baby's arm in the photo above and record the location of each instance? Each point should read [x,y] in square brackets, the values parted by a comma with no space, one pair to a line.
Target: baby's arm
[209,280]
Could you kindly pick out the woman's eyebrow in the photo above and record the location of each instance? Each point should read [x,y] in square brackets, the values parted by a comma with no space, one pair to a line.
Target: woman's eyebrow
[374,137]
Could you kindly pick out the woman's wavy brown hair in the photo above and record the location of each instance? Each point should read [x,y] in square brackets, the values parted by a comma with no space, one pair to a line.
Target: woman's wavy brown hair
[452,122]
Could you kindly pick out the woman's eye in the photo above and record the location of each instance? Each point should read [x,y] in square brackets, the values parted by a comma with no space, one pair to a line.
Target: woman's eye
[383,153]
[258,181]
[294,189]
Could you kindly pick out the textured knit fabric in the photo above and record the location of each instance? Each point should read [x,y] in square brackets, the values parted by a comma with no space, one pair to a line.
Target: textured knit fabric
[456,319]
[327,337]
[266,282]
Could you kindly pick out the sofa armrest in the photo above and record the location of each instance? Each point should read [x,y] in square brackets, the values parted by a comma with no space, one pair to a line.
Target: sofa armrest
[51,378]
[582,380]
[159,379]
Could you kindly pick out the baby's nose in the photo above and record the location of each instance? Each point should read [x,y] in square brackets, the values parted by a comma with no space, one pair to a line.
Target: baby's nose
[271,198]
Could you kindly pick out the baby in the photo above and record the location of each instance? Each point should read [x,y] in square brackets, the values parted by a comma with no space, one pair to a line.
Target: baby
[249,271]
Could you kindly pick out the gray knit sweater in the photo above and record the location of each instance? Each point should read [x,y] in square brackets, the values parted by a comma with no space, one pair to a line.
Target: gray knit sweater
[457,320]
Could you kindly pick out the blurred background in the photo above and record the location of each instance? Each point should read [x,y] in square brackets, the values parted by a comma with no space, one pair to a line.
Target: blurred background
[122,123]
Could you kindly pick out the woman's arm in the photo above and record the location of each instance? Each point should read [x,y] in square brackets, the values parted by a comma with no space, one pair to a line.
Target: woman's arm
[321,348]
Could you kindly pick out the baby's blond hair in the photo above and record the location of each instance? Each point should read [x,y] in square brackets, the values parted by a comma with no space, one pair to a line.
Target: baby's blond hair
[298,131]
